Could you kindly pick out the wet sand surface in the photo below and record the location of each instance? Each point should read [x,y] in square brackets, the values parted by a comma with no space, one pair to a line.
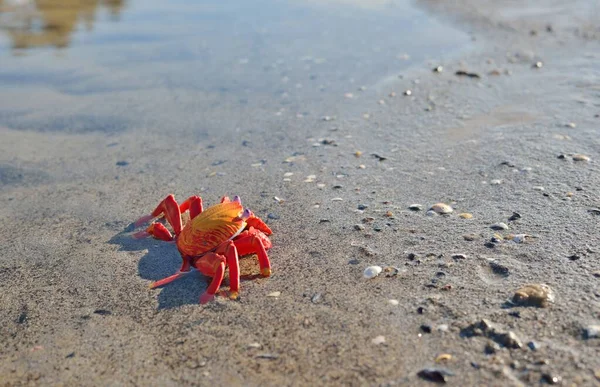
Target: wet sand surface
[94,135]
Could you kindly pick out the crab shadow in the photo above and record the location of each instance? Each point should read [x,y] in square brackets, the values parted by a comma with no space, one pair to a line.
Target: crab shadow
[162,260]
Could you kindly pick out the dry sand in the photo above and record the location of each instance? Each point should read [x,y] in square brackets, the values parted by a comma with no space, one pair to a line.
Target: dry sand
[75,308]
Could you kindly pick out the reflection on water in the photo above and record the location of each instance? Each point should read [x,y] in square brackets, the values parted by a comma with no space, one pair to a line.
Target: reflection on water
[38,23]
[210,65]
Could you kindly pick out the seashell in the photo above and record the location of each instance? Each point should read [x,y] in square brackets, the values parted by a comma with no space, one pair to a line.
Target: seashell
[441,208]
[372,272]
[539,295]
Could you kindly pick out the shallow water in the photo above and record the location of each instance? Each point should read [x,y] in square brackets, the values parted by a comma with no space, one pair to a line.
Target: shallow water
[111,66]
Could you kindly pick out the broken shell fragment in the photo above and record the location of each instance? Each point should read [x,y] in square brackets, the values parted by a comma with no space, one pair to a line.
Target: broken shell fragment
[522,238]
[465,215]
[372,272]
[580,157]
[443,357]
[391,271]
[538,295]
[378,340]
[441,208]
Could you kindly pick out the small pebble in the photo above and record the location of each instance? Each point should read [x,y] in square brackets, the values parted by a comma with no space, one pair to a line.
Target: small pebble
[254,345]
[551,378]
[580,157]
[391,271]
[415,207]
[392,94]
[465,215]
[274,294]
[372,272]
[278,200]
[358,154]
[496,182]
[393,302]
[378,340]
[359,227]
[538,188]
[362,207]
[122,163]
[459,256]
[521,238]
[470,237]
[441,208]
[408,92]
[538,65]
[438,69]
[538,295]
[268,356]
[571,125]
[591,332]
[272,216]
[438,375]
[431,213]
[533,345]
[499,226]
[514,217]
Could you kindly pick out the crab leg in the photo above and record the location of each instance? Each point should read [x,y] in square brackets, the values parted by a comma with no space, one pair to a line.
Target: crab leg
[194,204]
[157,230]
[170,209]
[248,243]
[231,255]
[217,276]
[185,268]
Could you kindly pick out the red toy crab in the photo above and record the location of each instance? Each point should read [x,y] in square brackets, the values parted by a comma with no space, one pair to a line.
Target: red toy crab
[211,240]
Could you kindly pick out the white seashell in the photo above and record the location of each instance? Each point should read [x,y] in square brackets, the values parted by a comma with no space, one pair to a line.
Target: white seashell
[441,208]
[372,272]
[378,340]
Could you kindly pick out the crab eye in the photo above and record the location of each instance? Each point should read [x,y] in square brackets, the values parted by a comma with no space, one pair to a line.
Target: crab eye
[246,214]
[237,199]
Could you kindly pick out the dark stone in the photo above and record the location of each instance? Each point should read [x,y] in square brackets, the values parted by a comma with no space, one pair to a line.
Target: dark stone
[122,163]
[514,217]
[437,375]
[426,328]
[103,312]
[533,345]
[551,378]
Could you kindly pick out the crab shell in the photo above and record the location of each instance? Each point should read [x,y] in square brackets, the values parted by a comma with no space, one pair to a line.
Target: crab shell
[215,225]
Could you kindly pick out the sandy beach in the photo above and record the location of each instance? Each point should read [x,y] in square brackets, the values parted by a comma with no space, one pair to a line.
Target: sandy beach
[495,111]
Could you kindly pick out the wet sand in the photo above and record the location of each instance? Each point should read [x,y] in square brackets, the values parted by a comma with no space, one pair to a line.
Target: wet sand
[74,301]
